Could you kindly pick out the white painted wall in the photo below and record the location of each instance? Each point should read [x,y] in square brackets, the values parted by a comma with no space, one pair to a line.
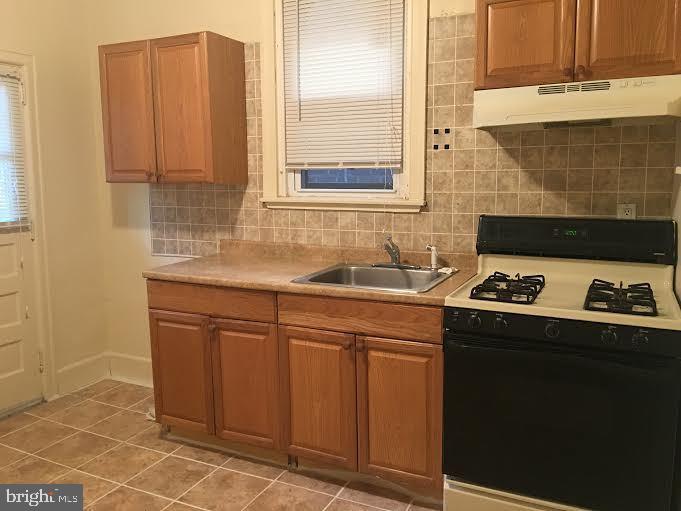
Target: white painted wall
[51,32]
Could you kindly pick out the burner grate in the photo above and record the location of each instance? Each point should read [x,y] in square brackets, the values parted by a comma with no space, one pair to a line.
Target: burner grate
[500,287]
[637,299]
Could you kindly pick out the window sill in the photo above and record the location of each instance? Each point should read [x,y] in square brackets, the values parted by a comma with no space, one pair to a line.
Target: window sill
[354,204]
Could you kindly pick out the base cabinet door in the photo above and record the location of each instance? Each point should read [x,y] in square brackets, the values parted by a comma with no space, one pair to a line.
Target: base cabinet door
[318,381]
[628,38]
[399,394]
[245,377]
[181,359]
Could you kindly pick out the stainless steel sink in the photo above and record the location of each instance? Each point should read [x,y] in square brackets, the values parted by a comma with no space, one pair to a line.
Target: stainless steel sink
[383,278]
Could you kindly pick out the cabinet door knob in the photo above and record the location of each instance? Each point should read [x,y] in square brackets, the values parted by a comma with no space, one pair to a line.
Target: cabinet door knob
[567,72]
[212,327]
[361,346]
[347,345]
[581,71]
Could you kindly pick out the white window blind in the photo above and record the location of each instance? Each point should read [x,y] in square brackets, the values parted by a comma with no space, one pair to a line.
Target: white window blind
[343,82]
[14,207]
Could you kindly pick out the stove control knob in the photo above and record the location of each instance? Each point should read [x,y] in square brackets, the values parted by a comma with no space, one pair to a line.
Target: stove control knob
[609,336]
[500,323]
[474,321]
[552,330]
[639,338]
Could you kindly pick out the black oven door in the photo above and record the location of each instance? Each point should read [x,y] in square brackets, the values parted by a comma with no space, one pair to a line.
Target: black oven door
[591,429]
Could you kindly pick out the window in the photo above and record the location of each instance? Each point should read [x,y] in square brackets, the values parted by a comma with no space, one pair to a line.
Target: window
[345,103]
[14,208]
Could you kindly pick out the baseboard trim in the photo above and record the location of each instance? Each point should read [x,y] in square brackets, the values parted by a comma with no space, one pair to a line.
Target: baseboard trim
[130,368]
[81,373]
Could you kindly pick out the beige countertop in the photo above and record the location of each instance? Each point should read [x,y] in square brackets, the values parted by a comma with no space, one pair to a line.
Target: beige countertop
[272,267]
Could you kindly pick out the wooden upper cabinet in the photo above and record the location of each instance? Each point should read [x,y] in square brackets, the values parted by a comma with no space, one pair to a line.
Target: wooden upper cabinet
[182,369]
[127,112]
[524,42]
[191,107]
[245,377]
[627,38]
[319,410]
[399,395]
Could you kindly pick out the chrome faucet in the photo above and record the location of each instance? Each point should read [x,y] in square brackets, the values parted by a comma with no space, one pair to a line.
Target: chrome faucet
[392,249]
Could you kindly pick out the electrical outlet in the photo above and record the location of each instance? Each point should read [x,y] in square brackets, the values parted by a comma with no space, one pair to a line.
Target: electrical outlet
[626,211]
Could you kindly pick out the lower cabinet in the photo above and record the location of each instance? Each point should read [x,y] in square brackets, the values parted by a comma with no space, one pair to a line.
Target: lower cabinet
[245,377]
[361,403]
[318,395]
[183,385]
[399,410]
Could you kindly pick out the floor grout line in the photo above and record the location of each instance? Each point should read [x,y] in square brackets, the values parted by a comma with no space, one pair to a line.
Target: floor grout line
[177,499]
[258,495]
[336,495]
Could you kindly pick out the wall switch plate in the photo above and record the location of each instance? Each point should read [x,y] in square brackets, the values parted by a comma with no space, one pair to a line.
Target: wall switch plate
[626,211]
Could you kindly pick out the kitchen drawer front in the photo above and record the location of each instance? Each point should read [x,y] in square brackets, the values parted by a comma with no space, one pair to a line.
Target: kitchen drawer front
[213,301]
[382,319]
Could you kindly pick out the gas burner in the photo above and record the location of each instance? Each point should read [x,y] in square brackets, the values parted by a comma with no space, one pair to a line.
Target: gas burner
[500,287]
[606,297]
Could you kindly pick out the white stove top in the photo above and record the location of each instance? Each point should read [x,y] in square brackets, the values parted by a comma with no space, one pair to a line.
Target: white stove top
[567,281]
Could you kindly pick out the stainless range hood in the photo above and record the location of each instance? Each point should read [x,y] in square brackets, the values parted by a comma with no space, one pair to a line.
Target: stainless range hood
[580,103]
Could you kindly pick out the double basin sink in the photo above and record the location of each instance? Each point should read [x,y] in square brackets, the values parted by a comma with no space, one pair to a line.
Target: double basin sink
[395,278]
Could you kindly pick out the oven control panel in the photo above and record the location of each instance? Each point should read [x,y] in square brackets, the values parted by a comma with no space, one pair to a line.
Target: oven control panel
[491,324]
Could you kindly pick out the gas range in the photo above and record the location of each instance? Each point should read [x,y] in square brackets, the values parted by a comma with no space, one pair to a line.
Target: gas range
[562,371]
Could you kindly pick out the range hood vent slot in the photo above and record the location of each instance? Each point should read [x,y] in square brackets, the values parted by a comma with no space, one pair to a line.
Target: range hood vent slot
[593,86]
[551,89]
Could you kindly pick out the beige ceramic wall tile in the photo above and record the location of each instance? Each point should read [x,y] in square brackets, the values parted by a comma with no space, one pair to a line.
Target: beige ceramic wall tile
[575,171]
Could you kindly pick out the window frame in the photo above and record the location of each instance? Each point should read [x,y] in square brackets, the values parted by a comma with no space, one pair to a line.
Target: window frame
[279,184]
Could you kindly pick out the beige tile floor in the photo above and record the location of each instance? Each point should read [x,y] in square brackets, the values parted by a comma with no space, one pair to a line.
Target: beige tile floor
[101,438]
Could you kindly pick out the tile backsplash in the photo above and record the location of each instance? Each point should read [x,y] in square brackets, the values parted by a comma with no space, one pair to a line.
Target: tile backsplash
[576,171]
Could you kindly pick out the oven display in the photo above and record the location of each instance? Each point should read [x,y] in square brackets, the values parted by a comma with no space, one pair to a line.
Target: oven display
[569,233]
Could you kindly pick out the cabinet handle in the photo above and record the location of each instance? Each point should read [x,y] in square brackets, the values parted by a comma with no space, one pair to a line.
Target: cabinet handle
[567,72]
[212,327]
[361,346]
[581,71]
[347,345]
[150,174]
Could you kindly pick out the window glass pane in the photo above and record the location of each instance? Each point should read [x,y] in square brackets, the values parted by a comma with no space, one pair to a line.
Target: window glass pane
[13,192]
[347,179]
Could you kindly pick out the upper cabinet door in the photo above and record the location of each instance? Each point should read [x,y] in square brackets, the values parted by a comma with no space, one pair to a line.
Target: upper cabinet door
[127,112]
[524,42]
[182,109]
[628,38]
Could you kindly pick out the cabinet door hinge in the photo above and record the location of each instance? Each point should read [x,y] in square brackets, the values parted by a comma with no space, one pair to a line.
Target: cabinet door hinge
[41,361]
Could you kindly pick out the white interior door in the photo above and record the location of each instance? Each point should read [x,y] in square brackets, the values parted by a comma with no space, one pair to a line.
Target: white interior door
[20,379]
